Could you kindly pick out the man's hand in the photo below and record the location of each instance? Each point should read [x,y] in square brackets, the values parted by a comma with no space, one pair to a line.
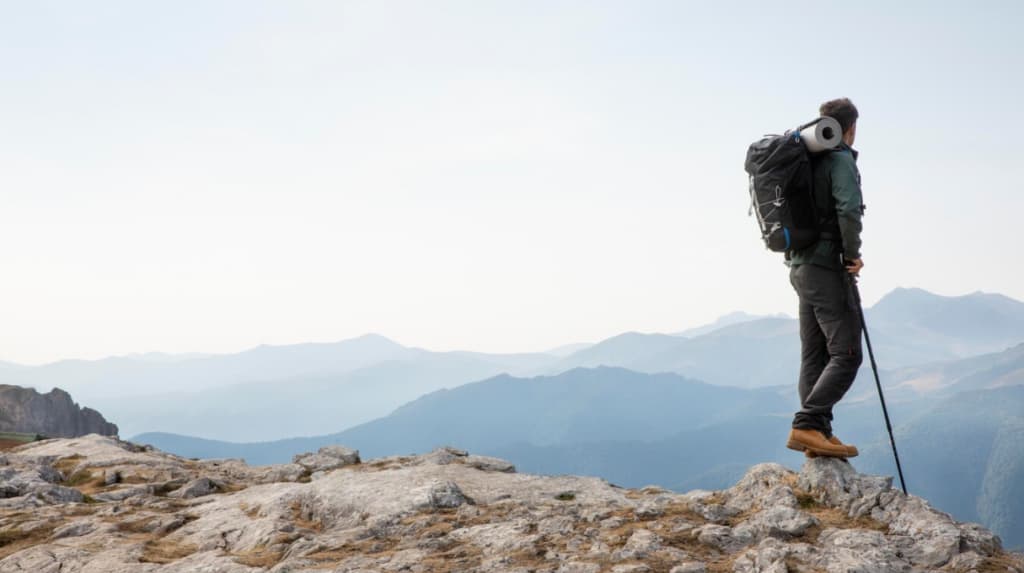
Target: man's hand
[853,267]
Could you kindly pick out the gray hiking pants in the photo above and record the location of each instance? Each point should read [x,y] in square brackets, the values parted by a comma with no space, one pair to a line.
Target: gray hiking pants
[830,353]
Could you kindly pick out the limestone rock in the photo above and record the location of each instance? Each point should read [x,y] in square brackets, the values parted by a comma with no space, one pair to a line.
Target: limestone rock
[834,482]
[640,545]
[489,464]
[690,567]
[327,458]
[780,521]
[57,494]
[631,568]
[123,493]
[448,510]
[579,567]
[347,455]
[764,485]
[723,537]
[447,495]
[198,488]
[73,529]
[443,456]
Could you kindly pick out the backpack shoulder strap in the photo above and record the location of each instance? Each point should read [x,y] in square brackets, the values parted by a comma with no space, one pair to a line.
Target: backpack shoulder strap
[828,226]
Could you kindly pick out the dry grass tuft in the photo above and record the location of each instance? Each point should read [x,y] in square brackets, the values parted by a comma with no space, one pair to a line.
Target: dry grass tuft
[66,465]
[368,546]
[165,551]
[143,525]
[87,507]
[1001,563]
[14,539]
[454,560]
[800,567]
[303,519]
[84,479]
[446,557]
[252,511]
[831,517]
[260,556]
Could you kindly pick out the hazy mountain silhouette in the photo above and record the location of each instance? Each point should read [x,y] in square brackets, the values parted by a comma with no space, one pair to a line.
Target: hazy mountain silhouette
[914,326]
[725,320]
[133,375]
[578,406]
[567,349]
[977,322]
[254,395]
[942,379]
[908,327]
[311,405]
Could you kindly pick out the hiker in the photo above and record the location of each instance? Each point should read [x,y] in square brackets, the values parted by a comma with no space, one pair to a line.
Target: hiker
[822,275]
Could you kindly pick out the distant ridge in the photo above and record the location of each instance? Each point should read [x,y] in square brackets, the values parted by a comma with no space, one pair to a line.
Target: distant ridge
[54,414]
[338,385]
[727,320]
[580,405]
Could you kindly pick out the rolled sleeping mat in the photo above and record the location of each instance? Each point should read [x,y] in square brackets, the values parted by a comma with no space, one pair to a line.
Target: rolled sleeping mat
[821,134]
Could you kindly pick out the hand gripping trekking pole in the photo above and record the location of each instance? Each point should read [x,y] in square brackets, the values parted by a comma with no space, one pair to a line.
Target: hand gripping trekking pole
[878,383]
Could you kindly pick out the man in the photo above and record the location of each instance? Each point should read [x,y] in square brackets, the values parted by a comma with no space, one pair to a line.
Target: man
[821,274]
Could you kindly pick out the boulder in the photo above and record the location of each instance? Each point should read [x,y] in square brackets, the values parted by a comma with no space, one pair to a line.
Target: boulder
[198,488]
[327,458]
[489,464]
[447,495]
[780,522]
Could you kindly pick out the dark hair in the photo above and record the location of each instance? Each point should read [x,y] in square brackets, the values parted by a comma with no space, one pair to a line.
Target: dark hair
[841,110]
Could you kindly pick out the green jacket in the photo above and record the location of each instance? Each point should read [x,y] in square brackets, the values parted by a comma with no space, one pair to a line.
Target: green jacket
[838,199]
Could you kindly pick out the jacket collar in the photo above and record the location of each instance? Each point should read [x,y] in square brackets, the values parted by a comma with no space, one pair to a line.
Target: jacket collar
[843,147]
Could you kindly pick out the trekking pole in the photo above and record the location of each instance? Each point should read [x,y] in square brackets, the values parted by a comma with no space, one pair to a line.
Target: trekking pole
[878,383]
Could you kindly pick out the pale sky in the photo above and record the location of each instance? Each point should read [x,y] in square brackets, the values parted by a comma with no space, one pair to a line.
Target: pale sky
[482,175]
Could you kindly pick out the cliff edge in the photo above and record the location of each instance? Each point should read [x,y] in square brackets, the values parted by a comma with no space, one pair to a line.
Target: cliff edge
[99,504]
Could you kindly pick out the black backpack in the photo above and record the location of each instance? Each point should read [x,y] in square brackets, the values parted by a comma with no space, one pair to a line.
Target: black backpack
[782,192]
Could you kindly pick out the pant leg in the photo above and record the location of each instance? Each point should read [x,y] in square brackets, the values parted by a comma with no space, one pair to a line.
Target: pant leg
[813,347]
[827,292]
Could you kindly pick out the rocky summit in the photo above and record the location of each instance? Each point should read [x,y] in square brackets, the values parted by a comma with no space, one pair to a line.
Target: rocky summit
[97,504]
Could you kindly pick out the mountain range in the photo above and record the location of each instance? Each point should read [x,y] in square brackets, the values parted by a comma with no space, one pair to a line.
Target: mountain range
[252,395]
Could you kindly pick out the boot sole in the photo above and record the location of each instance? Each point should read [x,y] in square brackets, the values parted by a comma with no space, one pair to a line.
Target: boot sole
[811,455]
[849,454]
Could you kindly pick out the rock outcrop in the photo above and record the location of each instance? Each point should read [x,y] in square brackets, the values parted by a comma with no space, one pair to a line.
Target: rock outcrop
[52,414]
[95,504]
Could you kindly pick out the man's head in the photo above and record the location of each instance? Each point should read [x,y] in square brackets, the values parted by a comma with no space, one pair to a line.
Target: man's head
[843,111]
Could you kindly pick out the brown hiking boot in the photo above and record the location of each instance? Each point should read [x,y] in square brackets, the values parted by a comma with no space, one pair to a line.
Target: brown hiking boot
[816,443]
[851,450]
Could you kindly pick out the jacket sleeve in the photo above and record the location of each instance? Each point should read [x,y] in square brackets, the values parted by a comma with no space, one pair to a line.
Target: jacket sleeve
[849,203]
